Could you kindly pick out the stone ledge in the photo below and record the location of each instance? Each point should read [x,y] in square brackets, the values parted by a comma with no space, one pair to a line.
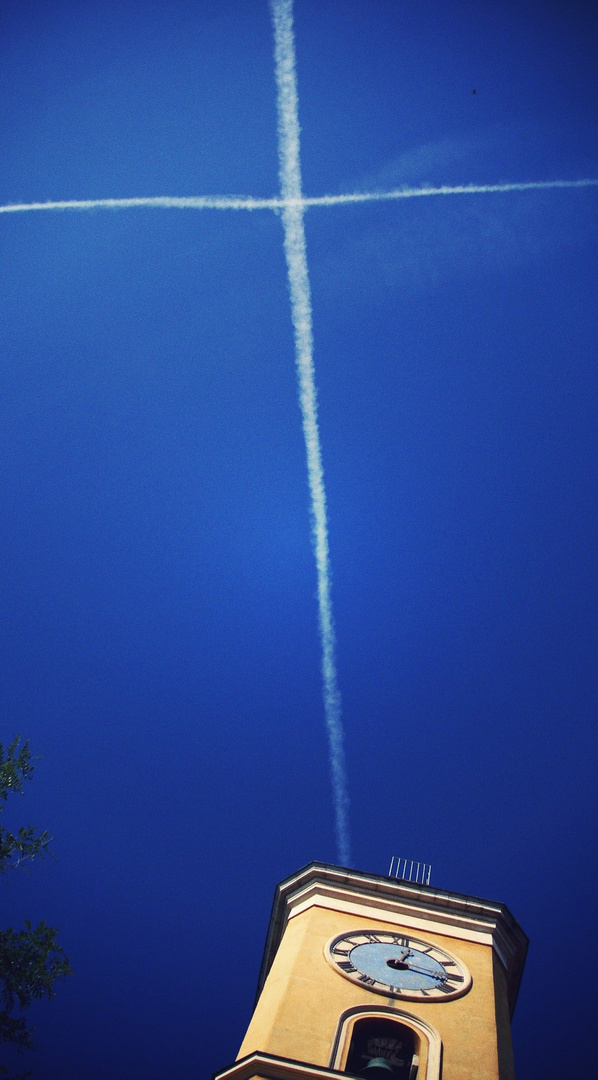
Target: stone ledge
[260,1066]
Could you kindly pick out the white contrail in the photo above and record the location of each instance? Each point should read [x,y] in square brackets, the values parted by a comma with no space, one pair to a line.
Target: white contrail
[291,204]
[294,245]
[290,201]
[168,202]
[444,189]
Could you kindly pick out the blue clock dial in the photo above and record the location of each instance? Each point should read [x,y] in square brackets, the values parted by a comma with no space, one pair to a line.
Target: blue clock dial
[406,968]
[398,965]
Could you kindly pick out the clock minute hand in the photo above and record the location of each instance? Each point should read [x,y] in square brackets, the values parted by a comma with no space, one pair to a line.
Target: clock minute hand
[422,971]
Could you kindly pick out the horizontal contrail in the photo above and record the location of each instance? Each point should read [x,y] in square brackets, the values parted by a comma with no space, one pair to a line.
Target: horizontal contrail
[445,189]
[292,207]
[247,202]
[168,202]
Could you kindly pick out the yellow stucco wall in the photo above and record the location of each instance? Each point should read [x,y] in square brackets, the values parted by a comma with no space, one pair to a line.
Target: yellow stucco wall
[303,998]
[506,1064]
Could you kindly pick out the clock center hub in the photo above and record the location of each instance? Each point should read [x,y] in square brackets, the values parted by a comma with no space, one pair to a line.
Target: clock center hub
[397,965]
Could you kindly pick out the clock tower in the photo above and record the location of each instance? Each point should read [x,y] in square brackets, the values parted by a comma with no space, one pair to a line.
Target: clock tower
[382,979]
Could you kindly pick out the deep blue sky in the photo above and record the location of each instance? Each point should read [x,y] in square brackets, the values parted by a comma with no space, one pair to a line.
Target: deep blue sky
[159,640]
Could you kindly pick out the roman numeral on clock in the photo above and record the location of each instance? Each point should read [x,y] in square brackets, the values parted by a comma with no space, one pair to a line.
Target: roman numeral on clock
[367,980]
[399,940]
[346,965]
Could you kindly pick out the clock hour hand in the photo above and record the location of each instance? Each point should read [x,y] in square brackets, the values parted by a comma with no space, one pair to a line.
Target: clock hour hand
[398,964]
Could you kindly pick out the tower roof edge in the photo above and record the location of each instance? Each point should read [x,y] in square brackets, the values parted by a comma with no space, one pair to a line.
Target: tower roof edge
[375,896]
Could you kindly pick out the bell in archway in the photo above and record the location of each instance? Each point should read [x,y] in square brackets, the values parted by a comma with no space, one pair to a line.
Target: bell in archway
[378,1068]
[381,1048]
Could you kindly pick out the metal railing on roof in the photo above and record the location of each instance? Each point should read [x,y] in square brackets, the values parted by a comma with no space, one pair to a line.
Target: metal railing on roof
[407,870]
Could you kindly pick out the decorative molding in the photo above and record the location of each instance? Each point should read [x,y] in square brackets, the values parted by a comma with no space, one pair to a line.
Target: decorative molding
[260,1066]
[421,1027]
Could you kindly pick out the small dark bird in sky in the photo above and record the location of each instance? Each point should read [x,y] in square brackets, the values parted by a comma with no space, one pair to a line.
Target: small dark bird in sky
[473,91]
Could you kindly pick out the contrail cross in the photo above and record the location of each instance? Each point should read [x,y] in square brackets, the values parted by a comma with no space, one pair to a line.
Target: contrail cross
[291,204]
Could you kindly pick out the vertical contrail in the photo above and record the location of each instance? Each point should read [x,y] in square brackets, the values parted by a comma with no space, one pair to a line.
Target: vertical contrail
[294,245]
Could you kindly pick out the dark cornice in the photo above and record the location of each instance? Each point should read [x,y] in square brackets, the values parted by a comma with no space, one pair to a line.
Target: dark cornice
[271,1067]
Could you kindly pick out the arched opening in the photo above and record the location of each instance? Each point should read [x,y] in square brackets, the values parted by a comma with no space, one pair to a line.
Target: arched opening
[365,1033]
[382,1049]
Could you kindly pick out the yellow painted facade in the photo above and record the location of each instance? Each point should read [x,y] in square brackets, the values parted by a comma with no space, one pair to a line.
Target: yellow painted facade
[303,1018]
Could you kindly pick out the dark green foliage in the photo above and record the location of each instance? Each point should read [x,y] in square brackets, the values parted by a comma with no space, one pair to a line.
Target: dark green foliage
[30,959]
[15,767]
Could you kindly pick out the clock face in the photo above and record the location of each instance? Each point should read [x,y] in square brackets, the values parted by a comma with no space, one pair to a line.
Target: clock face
[398,965]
